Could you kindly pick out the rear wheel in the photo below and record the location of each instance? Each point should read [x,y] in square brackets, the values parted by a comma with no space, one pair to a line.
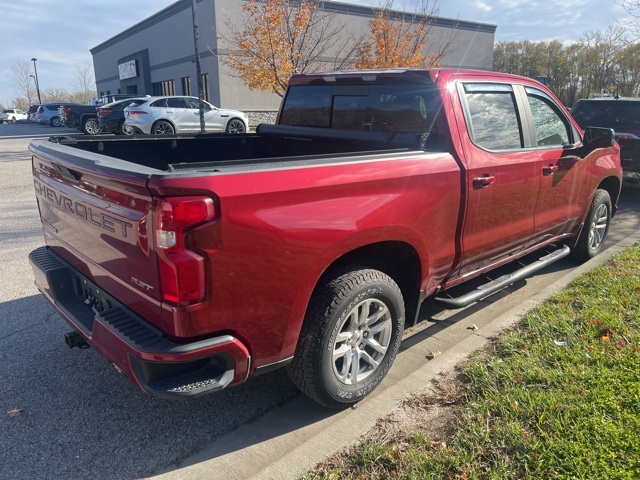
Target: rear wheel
[235,125]
[91,126]
[350,336]
[162,127]
[55,122]
[595,229]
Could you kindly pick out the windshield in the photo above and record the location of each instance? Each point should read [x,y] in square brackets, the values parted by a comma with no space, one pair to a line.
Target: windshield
[613,114]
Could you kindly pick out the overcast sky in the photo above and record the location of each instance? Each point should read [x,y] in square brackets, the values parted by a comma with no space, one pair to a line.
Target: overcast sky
[60,33]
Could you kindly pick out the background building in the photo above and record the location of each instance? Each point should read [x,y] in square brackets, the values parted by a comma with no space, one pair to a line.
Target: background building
[157,55]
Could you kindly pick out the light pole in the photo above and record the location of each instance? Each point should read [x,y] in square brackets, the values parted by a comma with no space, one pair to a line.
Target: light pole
[35,69]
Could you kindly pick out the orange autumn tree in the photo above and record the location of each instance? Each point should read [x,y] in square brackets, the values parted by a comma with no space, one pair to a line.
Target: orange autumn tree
[281,37]
[401,39]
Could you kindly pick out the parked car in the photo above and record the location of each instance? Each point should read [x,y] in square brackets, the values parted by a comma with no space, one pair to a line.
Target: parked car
[179,114]
[12,115]
[111,117]
[623,116]
[48,113]
[31,113]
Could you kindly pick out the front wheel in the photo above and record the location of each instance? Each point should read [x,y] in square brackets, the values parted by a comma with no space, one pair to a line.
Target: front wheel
[162,127]
[235,125]
[91,126]
[591,239]
[349,338]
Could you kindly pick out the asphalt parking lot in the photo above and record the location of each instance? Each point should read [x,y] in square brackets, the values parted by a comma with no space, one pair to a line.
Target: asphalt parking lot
[79,418]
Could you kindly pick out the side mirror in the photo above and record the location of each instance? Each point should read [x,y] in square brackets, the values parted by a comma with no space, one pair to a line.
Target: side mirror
[598,137]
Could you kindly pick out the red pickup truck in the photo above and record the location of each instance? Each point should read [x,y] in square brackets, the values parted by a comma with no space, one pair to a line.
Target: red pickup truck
[193,263]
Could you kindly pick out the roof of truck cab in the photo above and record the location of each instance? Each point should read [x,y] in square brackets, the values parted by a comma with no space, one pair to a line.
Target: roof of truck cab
[398,75]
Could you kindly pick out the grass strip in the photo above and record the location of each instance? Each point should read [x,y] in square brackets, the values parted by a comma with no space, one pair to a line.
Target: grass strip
[557,397]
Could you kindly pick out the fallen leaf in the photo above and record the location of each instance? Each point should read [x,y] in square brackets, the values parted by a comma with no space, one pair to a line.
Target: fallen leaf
[432,355]
[16,412]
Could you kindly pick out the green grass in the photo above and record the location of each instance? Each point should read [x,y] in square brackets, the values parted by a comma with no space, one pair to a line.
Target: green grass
[558,397]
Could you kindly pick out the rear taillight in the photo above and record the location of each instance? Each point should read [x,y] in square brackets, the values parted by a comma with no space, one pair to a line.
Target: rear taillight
[136,112]
[103,112]
[66,111]
[182,272]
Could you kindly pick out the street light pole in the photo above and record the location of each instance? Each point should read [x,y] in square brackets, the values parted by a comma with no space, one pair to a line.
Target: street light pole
[196,42]
[34,60]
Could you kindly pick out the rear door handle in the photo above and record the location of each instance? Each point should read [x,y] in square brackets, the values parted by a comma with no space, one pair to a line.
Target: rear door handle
[549,169]
[483,181]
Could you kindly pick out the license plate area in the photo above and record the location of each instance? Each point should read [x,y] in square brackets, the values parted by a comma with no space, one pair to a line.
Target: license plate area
[88,301]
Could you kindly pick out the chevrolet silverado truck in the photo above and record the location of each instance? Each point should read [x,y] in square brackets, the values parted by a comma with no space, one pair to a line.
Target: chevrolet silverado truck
[192,263]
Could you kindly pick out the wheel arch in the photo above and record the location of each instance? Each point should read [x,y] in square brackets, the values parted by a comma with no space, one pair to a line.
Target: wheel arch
[612,185]
[397,259]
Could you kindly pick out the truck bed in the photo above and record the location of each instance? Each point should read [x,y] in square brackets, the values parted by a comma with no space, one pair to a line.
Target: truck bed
[271,142]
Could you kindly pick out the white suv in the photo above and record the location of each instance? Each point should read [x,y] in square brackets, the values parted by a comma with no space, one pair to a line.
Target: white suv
[179,114]
[12,115]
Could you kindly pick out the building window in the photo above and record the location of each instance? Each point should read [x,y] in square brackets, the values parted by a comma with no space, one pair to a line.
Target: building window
[205,86]
[186,85]
[166,87]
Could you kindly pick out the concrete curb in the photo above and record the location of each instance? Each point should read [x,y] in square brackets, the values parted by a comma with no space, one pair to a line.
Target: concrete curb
[287,441]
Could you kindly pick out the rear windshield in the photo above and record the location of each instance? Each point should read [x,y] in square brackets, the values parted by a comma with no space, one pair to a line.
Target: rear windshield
[395,108]
[135,103]
[611,114]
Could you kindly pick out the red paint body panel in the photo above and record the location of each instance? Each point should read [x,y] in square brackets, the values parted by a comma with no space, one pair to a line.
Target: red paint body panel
[279,226]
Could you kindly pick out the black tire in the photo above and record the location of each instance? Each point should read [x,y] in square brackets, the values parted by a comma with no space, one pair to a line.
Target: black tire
[162,127]
[13,119]
[55,122]
[236,125]
[91,126]
[596,226]
[124,130]
[354,314]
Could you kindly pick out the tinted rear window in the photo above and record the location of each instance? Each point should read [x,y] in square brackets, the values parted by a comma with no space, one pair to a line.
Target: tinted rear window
[396,108]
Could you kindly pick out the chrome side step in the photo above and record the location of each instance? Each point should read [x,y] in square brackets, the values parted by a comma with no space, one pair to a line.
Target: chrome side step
[504,281]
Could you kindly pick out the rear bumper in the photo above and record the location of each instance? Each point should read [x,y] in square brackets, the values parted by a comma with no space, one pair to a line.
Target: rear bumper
[153,362]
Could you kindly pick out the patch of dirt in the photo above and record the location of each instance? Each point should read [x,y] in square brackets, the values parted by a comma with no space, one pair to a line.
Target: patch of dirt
[434,412]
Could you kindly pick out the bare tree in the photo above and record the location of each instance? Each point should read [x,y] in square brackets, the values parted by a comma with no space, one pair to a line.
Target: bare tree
[24,87]
[633,8]
[55,94]
[278,38]
[84,85]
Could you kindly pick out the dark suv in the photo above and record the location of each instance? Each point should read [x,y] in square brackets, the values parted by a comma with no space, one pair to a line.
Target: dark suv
[623,116]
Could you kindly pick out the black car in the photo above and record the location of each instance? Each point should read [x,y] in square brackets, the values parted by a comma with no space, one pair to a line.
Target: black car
[111,117]
[623,116]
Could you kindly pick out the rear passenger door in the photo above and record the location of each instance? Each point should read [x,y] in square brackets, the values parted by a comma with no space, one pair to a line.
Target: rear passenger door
[181,116]
[502,178]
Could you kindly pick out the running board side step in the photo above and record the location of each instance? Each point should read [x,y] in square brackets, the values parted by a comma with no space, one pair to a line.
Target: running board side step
[504,281]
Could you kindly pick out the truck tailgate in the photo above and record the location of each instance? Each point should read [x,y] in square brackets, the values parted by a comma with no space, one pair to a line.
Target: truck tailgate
[97,221]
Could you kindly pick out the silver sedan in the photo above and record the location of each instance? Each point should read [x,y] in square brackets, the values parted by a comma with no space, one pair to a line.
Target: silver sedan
[180,114]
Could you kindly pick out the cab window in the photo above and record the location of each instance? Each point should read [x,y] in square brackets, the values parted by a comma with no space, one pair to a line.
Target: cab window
[552,128]
[492,116]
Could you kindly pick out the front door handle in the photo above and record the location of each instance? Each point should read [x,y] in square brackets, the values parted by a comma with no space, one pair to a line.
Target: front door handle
[549,169]
[483,181]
